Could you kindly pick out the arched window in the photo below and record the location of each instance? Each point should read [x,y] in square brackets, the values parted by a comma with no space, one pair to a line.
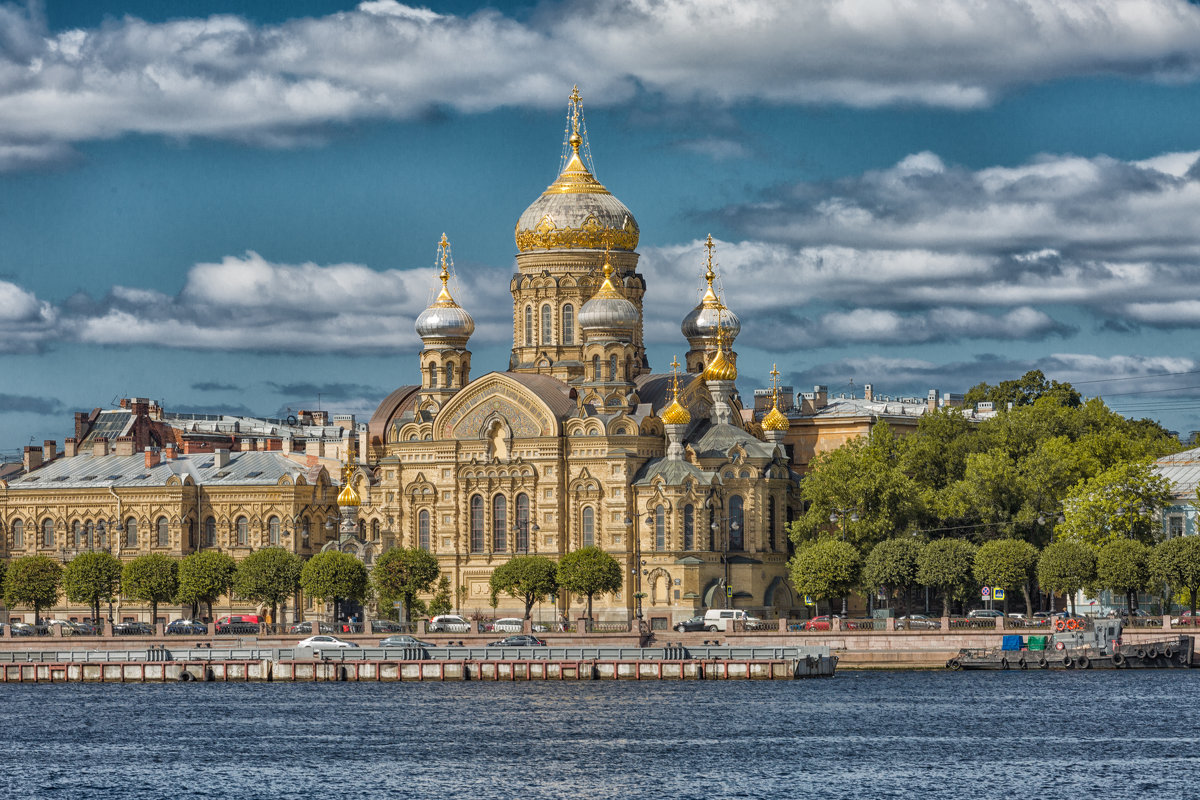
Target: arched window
[77,533]
[689,527]
[499,524]
[433,376]
[273,530]
[304,531]
[164,535]
[18,528]
[423,529]
[99,540]
[48,533]
[547,324]
[528,326]
[612,367]
[737,523]
[131,533]
[660,528]
[243,532]
[362,529]
[191,529]
[771,523]
[374,530]
[568,324]
[628,368]
[89,528]
[595,368]
[476,524]
[589,527]
[449,374]
[522,523]
[210,532]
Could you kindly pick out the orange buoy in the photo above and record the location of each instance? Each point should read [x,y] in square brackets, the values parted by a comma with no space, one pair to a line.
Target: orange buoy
[1059,625]
[1072,625]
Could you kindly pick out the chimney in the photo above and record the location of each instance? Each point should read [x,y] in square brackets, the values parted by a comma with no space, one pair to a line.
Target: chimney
[320,418]
[820,397]
[932,399]
[153,457]
[169,451]
[868,393]
[70,447]
[81,425]
[33,458]
[221,458]
[100,446]
[49,450]
[124,446]
[314,447]
[140,406]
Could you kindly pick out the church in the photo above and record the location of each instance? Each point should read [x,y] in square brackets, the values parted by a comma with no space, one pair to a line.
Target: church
[579,442]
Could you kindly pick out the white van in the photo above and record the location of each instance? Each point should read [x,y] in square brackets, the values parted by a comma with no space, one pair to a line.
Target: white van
[718,619]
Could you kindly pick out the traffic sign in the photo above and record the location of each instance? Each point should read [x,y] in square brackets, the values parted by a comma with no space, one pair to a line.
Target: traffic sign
[397,604]
[997,593]
[985,593]
[808,601]
[729,591]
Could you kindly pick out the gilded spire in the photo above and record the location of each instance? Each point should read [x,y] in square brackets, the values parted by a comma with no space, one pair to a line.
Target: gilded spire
[607,288]
[675,414]
[575,104]
[775,420]
[444,300]
[720,368]
[710,297]
[576,177]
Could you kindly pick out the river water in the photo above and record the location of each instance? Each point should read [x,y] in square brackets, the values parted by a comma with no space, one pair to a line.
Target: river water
[864,735]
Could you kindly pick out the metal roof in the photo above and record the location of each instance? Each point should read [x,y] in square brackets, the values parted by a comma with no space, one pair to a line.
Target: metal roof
[84,472]
[1182,470]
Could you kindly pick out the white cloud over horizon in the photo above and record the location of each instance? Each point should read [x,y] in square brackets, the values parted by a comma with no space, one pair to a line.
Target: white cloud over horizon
[225,77]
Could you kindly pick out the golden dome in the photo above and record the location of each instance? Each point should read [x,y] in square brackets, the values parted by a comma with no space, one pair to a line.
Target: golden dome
[675,414]
[348,498]
[719,369]
[576,211]
[775,421]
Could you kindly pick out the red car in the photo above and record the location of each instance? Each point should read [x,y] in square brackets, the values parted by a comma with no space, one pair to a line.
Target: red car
[821,623]
[1187,618]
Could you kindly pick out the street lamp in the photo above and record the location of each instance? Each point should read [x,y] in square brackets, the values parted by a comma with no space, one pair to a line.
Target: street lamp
[522,529]
[638,563]
[734,527]
[840,514]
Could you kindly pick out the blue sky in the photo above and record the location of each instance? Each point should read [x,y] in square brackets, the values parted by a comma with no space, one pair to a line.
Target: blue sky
[235,206]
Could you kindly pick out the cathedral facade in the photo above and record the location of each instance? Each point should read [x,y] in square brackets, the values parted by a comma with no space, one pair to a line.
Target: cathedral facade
[579,443]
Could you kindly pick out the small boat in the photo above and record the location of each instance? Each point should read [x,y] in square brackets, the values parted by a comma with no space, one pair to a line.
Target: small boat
[1079,645]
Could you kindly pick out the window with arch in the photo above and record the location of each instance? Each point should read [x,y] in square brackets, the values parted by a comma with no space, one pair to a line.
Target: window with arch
[100,537]
[771,531]
[273,530]
[528,326]
[595,368]
[89,529]
[164,532]
[374,530]
[588,527]
[433,376]
[568,324]
[304,533]
[48,533]
[131,533]
[210,532]
[191,529]
[423,529]
[243,532]
[362,529]
[476,523]
[689,527]
[660,528]
[547,324]
[612,367]
[737,523]
[499,524]
[523,523]
[18,532]
[449,374]
[77,533]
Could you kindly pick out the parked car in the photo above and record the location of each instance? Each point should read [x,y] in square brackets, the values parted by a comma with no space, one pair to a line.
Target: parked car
[24,629]
[307,627]
[133,629]
[237,623]
[323,642]
[520,640]
[1187,618]
[719,619]
[73,628]
[448,623]
[386,626]
[404,640]
[189,627]
[821,623]
[506,625]
[692,624]
[917,622]
[984,613]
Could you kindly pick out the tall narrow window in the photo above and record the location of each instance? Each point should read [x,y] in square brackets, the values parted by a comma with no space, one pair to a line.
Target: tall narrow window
[191,528]
[48,533]
[476,524]
[689,527]
[612,368]
[210,532]
[547,324]
[89,528]
[499,524]
[131,533]
[243,532]
[771,530]
[568,324]
[660,528]
[450,375]
[99,541]
[433,376]
[273,530]
[522,523]
[528,326]
[374,530]
[164,534]
[423,529]
[304,532]
[77,534]
[589,527]
[596,368]
[737,523]
[18,529]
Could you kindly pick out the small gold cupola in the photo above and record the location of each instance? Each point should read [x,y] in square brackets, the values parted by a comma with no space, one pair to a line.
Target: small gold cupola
[348,498]
[775,419]
[720,368]
[675,413]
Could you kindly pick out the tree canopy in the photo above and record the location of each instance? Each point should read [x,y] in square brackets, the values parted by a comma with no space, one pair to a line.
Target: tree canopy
[32,581]
[891,566]
[1009,564]
[152,578]
[334,575]
[402,573]
[949,565]
[1119,503]
[1065,567]
[589,571]
[92,578]
[1122,567]
[268,576]
[1176,562]
[204,577]
[527,578]
[826,569]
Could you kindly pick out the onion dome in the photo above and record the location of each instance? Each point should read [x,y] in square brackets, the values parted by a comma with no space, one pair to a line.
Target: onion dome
[445,319]
[703,321]
[775,421]
[719,369]
[576,211]
[348,498]
[608,310]
[675,414]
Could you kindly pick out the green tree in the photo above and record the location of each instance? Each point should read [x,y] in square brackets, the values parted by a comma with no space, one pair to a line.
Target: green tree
[334,575]
[1176,562]
[1023,391]
[204,577]
[1065,567]
[440,604]
[1122,566]
[891,567]
[92,578]
[152,578]
[1119,503]
[826,569]
[269,576]
[947,564]
[527,578]
[589,571]
[1009,564]
[32,581]
[402,573]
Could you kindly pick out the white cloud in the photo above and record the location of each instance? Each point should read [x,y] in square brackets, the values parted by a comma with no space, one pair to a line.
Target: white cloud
[224,76]
[26,323]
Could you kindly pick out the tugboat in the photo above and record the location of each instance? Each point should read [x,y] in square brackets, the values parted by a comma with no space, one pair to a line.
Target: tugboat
[1080,645]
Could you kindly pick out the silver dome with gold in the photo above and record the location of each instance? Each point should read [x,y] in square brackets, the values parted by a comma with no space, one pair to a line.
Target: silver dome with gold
[444,318]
